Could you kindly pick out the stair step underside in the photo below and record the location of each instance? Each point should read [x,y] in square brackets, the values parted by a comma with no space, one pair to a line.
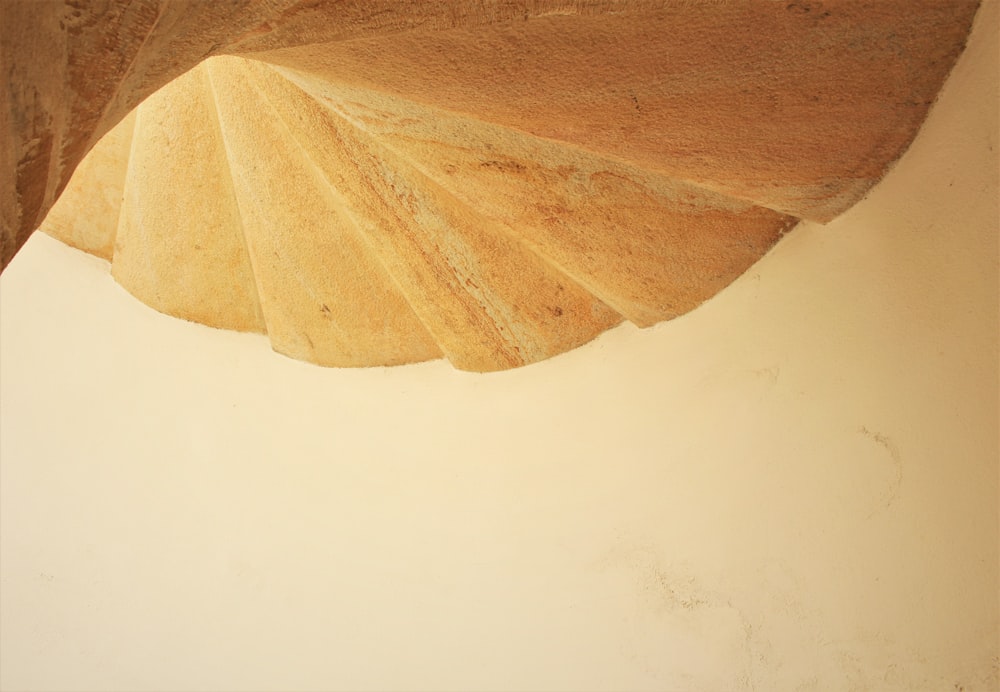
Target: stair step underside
[359,229]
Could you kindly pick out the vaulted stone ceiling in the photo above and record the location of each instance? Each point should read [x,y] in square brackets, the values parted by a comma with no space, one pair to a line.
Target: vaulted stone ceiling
[375,183]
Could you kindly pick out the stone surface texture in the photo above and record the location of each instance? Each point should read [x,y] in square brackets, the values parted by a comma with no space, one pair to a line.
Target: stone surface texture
[377,183]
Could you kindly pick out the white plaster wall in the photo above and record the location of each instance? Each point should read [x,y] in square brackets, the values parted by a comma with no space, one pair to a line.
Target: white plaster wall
[793,487]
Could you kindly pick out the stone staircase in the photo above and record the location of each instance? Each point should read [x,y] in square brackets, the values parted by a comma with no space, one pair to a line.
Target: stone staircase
[496,186]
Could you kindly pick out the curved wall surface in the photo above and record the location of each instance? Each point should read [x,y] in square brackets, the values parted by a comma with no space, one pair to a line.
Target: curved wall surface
[792,487]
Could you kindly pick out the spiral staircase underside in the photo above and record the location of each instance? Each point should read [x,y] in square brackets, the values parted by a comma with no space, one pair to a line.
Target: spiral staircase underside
[494,183]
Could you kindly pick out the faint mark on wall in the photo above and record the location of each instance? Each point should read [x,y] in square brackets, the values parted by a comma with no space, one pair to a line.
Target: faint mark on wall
[759,380]
[677,628]
[892,492]
[769,374]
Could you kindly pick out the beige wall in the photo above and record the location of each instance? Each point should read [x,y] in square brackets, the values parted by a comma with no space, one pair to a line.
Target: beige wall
[793,487]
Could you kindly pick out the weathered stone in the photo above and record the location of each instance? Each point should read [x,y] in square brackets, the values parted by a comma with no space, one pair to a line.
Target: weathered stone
[381,182]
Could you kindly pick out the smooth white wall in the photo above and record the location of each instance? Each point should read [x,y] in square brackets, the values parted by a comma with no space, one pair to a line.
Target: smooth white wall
[793,487]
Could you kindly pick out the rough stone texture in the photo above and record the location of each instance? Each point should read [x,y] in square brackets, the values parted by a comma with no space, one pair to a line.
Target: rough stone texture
[86,215]
[74,69]
[798,106]
[494,182]
[179,246]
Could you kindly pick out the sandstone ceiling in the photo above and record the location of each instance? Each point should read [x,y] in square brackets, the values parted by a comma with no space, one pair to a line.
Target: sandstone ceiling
[377,183]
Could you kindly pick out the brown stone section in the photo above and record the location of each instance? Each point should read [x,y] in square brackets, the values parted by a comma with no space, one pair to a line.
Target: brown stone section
[75,68]
[795,105]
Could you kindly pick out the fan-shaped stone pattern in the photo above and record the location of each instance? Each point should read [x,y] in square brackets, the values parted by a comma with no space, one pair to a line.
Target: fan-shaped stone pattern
[326,297]
[796,105]
[487,299]
[74,69]
[380,232]
[179,246]
[497,183]
[650,247]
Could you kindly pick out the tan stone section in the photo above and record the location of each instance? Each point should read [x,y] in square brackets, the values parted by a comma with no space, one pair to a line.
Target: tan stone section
[650,247]
[496,182]
[86,215]
[799,104]
[74,69]
[325,295]
[488,300]
[179,246]
[304,22]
